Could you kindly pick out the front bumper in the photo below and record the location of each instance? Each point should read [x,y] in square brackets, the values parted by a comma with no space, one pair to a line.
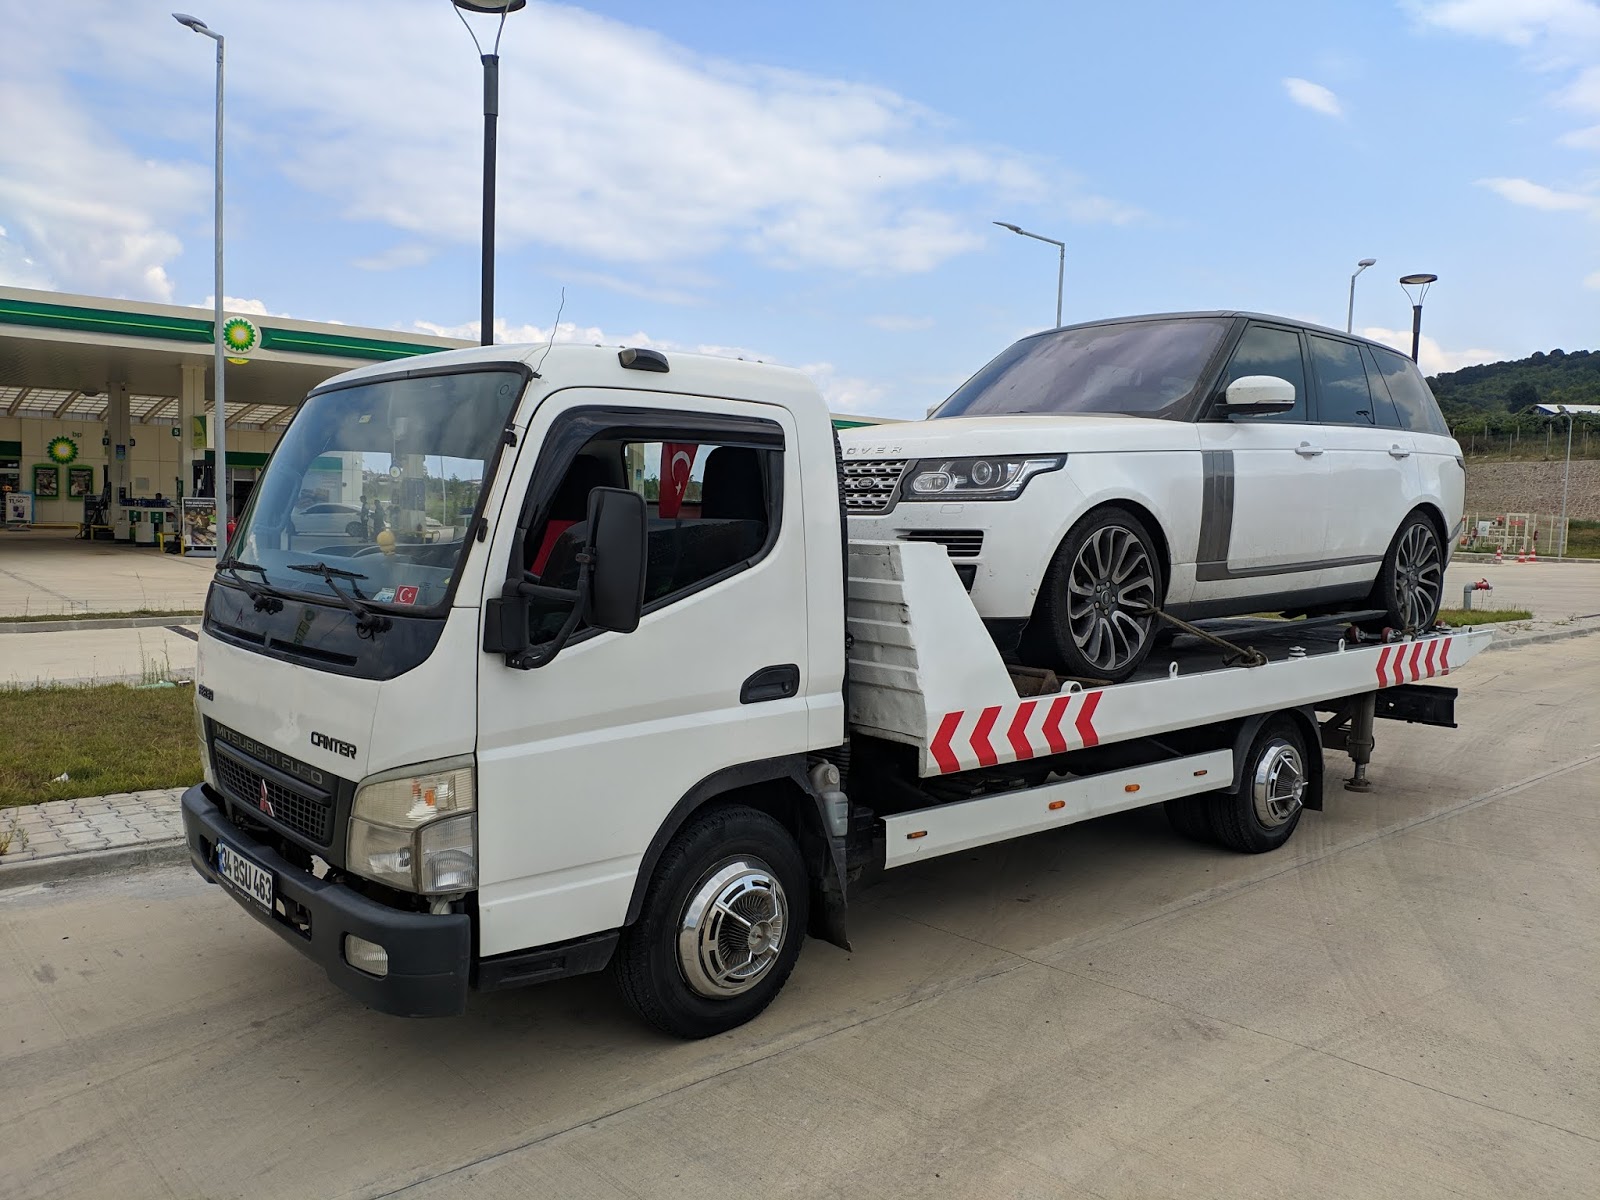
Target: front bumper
[430,957]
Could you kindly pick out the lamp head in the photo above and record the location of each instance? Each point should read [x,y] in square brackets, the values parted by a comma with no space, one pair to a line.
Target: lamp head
[493,7]
[1367,262]
[1008,225]
[1417,280]
[194,23]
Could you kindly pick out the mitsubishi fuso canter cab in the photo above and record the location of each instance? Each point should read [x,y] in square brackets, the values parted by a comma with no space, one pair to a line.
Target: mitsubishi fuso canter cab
[526,662]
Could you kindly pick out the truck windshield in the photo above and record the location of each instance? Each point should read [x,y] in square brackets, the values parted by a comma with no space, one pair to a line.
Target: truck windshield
[1129,368]
[379,482]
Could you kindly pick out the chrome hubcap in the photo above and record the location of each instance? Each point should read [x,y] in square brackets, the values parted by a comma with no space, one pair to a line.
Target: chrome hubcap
[733,928]
[1418,576]
[1279,786]
[1112,582]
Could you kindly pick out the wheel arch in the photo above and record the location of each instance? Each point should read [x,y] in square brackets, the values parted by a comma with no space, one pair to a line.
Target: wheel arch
[1305,719]
[1133,508]
[781,788]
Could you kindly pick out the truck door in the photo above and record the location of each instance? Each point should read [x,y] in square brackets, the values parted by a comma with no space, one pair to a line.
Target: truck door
[580,761]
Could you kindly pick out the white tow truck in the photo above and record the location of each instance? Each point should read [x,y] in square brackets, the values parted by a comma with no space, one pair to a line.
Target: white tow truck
[598,681]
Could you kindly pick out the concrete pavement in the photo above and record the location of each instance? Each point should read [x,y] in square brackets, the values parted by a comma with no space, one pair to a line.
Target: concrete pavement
[49,571]
[1401,1002]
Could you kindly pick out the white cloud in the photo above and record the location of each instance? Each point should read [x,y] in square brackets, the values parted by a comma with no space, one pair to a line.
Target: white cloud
[1516,22]
[616,143]
[900,324]
[395,258]
[83,211]
[1313,96]
[638,289]
[1592,281]
[1583,93]
[1582,139]
[845,393]
[1431,357]
[1536,195]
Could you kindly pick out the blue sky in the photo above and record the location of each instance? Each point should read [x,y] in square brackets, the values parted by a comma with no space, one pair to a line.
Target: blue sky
[814,184]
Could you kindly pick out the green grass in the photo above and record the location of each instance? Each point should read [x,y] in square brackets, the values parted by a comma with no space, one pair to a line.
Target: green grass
[32,618]
[1456,617]
[1583,539]
[105,739]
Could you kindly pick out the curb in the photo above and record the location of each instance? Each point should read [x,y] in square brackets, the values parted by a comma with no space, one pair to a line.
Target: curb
[1553,635]
[60,868]
[67,625]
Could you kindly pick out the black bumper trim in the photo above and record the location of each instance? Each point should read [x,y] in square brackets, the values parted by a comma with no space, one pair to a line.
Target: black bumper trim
[430,957]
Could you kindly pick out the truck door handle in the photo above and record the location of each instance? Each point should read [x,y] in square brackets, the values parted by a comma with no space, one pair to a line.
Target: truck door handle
[1396,452]
[1307,450]
[771,683]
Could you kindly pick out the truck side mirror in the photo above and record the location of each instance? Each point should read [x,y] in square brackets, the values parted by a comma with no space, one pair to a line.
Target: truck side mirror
[617,541]
[1254,394]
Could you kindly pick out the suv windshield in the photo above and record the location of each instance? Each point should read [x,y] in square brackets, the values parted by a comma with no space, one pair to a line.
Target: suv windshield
[379,482]
[1132,368]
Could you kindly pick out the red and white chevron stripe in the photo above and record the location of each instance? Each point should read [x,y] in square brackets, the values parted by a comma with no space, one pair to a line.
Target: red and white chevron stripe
[970,738]
[1409,662]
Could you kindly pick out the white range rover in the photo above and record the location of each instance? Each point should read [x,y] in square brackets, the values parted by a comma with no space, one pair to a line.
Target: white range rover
[1209,464]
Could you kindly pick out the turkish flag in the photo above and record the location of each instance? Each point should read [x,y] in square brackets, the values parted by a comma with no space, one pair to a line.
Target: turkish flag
[677,462]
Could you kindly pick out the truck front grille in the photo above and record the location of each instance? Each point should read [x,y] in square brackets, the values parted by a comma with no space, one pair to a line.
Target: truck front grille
[870,483]
[268,799]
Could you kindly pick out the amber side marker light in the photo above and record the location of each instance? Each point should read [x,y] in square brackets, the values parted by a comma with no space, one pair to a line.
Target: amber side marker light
[1055,804]
[917,834]
[1130,787]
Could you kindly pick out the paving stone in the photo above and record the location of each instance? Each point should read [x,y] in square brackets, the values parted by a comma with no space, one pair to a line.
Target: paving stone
[72,827]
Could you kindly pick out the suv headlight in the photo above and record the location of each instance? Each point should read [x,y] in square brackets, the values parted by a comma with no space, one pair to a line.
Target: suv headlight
[986,478]
[416,829]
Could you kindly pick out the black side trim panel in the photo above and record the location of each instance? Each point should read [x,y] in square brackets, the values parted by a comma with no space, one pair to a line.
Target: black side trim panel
[520,968]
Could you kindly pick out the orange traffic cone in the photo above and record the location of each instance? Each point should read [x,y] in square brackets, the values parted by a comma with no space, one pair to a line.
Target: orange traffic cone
[1533,555]
[1498,557]
[1521,557]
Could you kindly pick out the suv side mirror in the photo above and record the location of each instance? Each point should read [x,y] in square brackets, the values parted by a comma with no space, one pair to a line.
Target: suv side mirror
[615,598]
[1258,394]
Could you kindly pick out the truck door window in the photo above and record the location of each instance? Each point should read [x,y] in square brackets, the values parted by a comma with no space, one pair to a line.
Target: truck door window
[711,510]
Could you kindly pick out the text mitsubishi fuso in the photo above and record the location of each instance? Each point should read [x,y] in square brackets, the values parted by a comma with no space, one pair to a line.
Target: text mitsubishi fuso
[590,677]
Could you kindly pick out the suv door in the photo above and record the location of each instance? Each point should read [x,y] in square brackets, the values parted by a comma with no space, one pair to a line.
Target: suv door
[1372,478]
[581,761]
[1440,470]
[1263,500]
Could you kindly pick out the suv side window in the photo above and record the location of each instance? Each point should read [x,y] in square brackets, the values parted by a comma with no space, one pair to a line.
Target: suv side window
[711,511]
[1271,350]
[1342,394]
[1388,415]
[1419,411]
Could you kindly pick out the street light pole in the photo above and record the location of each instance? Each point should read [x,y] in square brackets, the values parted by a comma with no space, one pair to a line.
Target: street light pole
[1420,282]
[1350,314]
[1566,478]
[491,123]
[1061,259]
[219,470]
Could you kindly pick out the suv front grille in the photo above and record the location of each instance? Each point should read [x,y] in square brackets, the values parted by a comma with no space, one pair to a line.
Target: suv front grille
[298,809]
[958,543]
[870,483]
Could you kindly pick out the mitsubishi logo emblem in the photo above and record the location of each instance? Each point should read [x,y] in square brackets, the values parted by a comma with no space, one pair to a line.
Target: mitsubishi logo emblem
[264,804]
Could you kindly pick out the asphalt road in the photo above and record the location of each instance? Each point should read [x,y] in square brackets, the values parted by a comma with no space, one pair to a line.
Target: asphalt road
[1402,1002]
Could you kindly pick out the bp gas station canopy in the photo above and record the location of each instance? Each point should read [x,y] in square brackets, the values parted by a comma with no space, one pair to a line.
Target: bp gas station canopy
[63,356]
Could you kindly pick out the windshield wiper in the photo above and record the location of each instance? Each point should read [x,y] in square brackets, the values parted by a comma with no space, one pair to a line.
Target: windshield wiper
[264,602]
[369,620]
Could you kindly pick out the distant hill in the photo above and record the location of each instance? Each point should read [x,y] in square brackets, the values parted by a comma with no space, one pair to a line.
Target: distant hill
[1504,388]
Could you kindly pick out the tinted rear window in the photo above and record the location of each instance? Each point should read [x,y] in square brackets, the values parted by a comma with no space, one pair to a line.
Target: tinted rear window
[1133,368]
[1418,409]
[1342,394]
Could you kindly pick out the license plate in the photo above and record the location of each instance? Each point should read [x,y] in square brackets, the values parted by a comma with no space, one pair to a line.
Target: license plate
[255,882]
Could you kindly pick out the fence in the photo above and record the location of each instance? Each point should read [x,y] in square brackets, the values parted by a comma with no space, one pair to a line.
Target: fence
[1547,441]
[1513,533]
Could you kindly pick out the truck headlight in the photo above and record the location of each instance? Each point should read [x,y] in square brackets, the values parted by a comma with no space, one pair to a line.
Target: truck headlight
[988,478]
[416,829]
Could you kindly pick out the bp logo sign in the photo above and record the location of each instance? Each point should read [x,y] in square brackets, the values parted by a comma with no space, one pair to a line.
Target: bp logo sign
[240,336]
[62,450]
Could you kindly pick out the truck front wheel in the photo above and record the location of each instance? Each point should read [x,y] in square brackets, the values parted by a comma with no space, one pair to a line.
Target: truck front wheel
[721,925]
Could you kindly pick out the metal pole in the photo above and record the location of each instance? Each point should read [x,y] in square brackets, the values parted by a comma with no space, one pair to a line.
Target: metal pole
[1566,476]
[1416,330]
[219,473]
[1061,275]
[491,116]
[1350,313]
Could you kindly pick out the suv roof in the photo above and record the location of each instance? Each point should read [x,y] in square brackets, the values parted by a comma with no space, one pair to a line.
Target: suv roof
[1228,313]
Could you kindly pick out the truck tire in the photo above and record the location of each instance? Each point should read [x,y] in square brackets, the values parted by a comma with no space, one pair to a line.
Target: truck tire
[1262,814]
[1191,817]
[721,925]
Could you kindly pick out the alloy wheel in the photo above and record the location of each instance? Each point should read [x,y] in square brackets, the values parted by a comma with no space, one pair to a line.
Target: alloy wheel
[1418,576]
[1110,590]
